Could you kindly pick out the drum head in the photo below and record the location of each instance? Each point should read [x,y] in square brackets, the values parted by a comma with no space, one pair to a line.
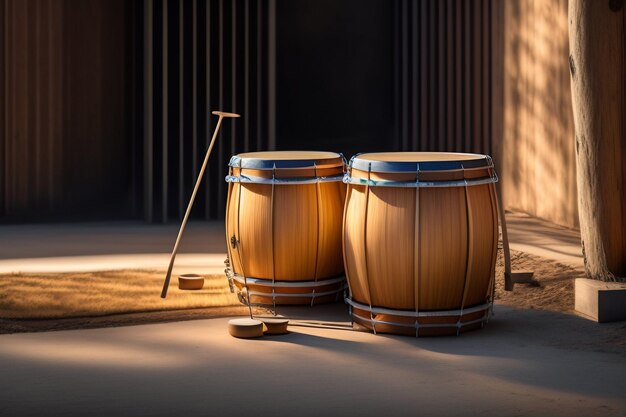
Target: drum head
[286,159]
[286,167]
[428,161]
[420,169]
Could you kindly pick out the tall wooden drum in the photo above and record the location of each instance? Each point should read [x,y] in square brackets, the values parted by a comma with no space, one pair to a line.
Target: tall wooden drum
[283,227]
[420,237]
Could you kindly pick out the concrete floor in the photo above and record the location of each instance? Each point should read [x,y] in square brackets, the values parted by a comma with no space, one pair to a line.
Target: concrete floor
[541,238]
[523,363]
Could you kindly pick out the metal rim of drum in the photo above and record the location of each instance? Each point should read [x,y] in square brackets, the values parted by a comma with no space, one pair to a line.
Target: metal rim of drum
[247,282]
[457,326]
[286,167]
[465,162]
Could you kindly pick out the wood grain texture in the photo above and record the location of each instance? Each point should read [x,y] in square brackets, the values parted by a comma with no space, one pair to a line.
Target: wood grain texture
[330,201]
[390,246]
[538,162]
[484,227]
[295,232]
[254,231]
[443,247]
[597,34]
[431,251]
[295,237]
[355,222]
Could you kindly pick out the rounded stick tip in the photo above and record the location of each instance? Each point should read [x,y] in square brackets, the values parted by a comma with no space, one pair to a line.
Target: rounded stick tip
[225,114]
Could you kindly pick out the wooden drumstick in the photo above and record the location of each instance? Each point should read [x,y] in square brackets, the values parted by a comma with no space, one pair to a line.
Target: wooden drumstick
[221,115]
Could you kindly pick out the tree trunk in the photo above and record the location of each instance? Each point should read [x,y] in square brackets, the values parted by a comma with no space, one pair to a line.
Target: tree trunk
[598,78]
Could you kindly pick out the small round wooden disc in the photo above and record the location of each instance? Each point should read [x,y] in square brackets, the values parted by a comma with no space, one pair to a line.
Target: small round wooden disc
[245,328]
[225,114]
[275,326]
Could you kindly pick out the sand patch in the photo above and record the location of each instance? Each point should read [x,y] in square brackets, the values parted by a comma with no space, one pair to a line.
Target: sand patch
[92,294]
[40,302]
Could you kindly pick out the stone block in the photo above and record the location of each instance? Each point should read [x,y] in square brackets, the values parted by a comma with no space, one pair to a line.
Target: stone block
[600,301]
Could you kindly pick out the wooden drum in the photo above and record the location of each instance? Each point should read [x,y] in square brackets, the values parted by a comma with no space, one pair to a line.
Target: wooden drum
[420,237]
[283,227]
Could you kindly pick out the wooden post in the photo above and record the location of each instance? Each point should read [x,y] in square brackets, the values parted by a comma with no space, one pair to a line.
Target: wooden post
[598,80]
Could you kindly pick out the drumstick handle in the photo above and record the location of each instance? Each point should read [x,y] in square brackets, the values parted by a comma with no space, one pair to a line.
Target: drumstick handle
[166,283]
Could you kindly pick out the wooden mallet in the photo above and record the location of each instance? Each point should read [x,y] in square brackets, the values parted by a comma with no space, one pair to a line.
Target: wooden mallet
[221,115]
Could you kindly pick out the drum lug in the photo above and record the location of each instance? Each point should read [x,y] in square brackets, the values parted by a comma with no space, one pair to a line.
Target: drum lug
[243,296]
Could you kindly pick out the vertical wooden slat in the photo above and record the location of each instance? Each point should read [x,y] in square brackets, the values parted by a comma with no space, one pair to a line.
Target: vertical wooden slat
[208,105]
[450,69]
[55,96]
[37,104]
[467,84]
[233,74]
[181,108]
[194,88]
[433,51]
[271,75]
[132,122]
[3,115]
[148,97]
[476,63]
[424,132]
[11,196]
[458,63]
[220,139]
[259,73]
[246,79]
[524,102]
[8,104]
[415,137]
[397,65]
[20,98]
[442,126]
[486,79]
[404,44]
[496,43]
[534,123]
[164,114]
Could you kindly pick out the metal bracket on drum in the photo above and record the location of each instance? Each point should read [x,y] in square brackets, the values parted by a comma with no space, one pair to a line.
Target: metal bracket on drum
[229,275]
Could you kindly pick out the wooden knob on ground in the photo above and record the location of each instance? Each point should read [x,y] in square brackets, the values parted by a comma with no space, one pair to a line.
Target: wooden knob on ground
[275,326]
[245,328]
[190,282]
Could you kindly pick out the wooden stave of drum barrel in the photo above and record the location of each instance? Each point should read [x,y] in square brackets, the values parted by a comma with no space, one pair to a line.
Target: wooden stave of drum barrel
[373,235]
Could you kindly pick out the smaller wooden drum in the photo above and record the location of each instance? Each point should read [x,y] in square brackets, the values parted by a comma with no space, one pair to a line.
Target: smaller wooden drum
[283,227]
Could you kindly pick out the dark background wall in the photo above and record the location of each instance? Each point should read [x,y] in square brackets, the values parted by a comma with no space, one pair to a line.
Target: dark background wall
[335,75]
[65,71]
[105,105]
